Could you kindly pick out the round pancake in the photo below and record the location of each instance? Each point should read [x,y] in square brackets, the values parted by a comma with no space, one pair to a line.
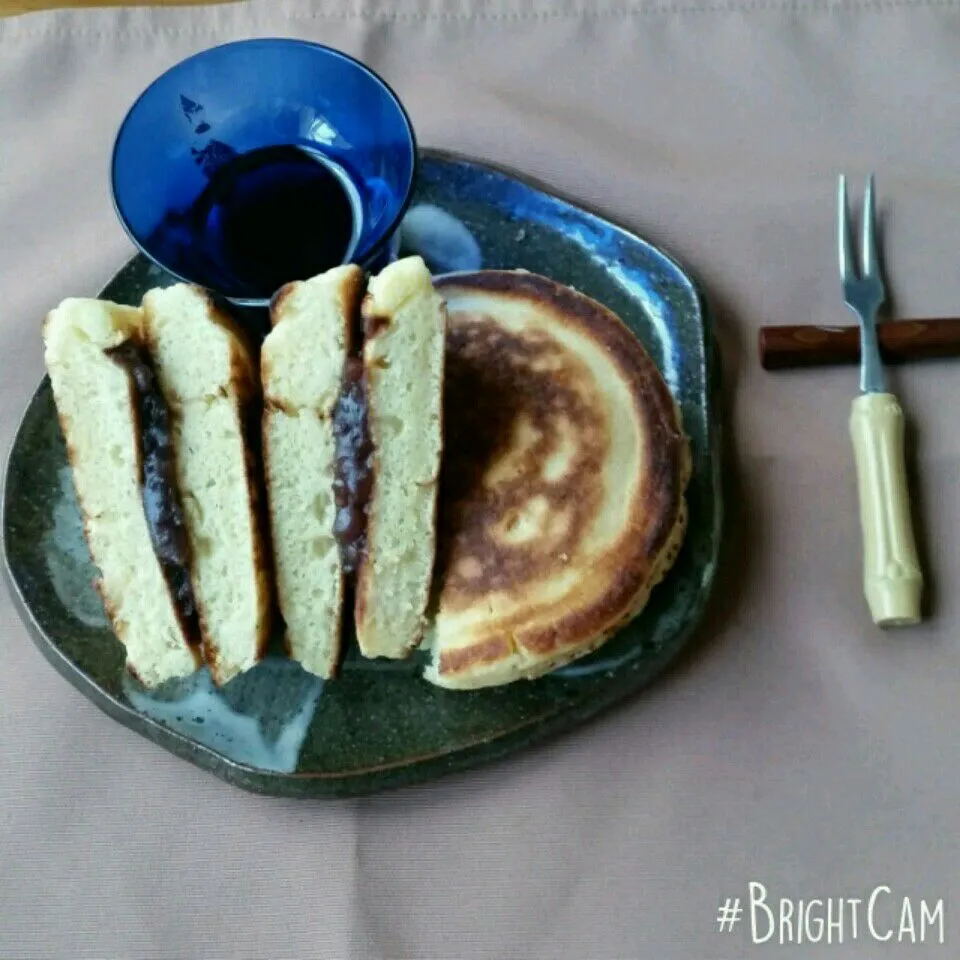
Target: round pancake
[562,485]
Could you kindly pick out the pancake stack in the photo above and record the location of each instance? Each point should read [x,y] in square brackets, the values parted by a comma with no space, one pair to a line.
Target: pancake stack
[488,467]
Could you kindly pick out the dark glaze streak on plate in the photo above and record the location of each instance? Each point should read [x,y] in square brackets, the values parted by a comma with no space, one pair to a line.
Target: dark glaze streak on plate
[278,730]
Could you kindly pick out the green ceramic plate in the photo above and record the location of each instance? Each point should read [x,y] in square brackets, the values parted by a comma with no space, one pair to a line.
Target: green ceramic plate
[277,730]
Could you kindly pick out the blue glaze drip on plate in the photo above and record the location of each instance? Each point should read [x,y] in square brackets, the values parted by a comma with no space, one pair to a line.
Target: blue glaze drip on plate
[280,700]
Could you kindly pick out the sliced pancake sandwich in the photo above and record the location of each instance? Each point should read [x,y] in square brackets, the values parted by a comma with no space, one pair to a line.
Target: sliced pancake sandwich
[209,378]
[303,364]
[118,434]
[403,360]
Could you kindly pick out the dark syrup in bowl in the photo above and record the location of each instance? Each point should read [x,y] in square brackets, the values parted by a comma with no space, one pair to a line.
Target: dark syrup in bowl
[265,218]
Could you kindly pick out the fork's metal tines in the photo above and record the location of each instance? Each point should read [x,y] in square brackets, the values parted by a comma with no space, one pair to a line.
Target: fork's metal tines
[871,262]
[847,268]
[863,289]
[869,258]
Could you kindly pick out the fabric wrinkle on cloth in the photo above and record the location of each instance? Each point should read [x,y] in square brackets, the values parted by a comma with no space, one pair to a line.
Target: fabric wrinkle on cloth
[795,745]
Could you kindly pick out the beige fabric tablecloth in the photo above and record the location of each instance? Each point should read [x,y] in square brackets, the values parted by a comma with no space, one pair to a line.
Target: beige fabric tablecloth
[796,746]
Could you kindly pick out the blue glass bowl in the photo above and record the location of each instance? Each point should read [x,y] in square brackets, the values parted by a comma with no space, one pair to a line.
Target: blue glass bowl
[238,97]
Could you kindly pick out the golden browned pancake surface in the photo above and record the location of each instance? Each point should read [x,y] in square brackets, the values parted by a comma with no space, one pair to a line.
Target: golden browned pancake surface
[562,483]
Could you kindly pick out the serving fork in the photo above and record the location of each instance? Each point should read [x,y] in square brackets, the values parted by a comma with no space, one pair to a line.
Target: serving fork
[892,580]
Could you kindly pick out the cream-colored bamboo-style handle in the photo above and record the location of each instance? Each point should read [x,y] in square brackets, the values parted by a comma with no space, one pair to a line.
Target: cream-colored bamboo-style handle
[892,580]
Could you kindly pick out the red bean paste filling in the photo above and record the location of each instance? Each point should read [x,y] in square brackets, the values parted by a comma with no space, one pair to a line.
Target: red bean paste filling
[353,477]
[158,485]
